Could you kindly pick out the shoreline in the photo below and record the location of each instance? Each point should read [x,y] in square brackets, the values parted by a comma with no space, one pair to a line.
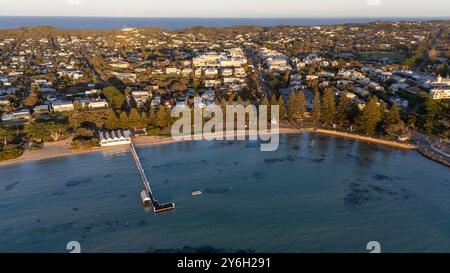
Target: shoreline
[61,148]
[368,139]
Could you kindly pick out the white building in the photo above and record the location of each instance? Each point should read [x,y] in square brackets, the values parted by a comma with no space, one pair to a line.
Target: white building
[212,83]
[95,103]
[141,97]
[440,93]
[119,64]
[114,138]
[227,72]
[39,109]
[63,106]
[17,115]
[172,70]
[211,72]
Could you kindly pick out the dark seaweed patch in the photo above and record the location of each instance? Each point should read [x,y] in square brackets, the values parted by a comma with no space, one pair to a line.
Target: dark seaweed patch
[296,147]
[168,165]
[62,227]
[74,183]
[273,160]
[381,177]
[290,158]
[357,196]
[360,194]
[259,175]
[11,186]
[318,160]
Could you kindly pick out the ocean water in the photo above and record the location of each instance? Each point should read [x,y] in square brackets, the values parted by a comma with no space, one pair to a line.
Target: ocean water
[335,196]
[9,22]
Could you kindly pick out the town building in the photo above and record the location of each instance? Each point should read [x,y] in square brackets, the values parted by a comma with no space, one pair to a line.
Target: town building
[62,106]
[17,115]
[440,93]
[114,138]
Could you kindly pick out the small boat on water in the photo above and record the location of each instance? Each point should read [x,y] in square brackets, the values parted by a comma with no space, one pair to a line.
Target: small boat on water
[196,193]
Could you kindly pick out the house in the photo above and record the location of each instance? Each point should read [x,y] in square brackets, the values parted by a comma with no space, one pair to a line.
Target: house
[119,64]
[212,83]
[74,74]
[440,93]
[17,115]
[141,97]
[240,72]
[92,92]
[125,76]
[62,106]
[312,77]
[198,73]
[94,103]
[227,72]
[41,109]
[232,62]
[186,71]
[114,138]
[211,72]
[172,70]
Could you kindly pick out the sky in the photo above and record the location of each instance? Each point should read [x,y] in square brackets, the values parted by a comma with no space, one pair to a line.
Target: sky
[228,8]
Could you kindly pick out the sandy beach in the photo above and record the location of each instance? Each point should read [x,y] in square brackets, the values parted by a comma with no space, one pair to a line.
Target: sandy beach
[62,148]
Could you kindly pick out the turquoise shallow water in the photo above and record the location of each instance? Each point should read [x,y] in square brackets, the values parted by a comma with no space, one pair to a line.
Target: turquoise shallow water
[333,197]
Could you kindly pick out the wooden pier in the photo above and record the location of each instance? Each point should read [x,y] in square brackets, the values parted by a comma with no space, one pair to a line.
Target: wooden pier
[147,195]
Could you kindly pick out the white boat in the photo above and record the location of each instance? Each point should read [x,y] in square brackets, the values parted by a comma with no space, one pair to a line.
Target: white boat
[195,193]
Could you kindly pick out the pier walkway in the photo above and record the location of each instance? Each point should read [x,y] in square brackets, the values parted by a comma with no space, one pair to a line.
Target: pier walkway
[157,207]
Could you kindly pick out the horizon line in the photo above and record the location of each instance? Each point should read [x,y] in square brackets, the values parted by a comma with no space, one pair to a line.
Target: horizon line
[201,17]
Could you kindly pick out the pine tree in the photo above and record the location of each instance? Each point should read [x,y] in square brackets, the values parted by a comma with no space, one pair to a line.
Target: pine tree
[301,101]
[124,124]
[273,101]
[266,103]
[392,117]
[315,114]
[383,108]
[152,120]
[292,106]
[112,122]
[240,101]
[296,106]
[230,101]
[33,97]
[342,111]
[168,114]
[328,107]
[134,119]
[282,107]
[161,118]
[223,106]
[370,117]
[144,120]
